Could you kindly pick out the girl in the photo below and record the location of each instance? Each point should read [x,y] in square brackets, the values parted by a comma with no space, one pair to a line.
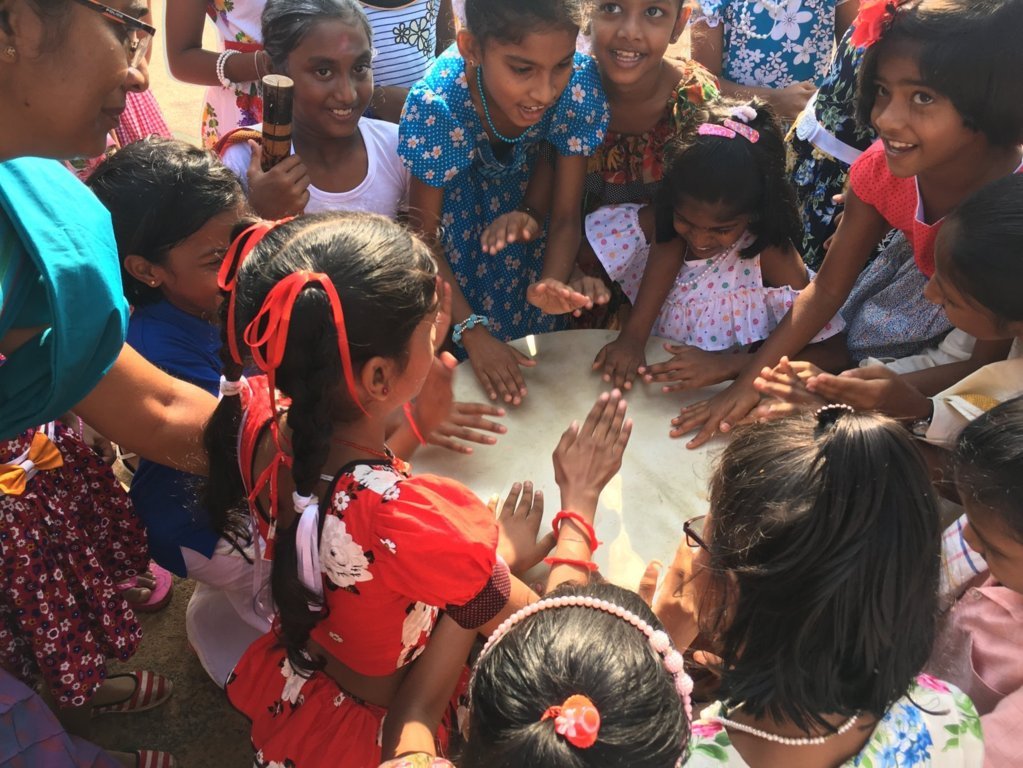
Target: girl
[976,282]
[722,270]
[358,592]
[474,134]
[828,520]
[341,160]
[169,267]
[942,138]
[776,50]
[978,648]
[650,96]
[542,693]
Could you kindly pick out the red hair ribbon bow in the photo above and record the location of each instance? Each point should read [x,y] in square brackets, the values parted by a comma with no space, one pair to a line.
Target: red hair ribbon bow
[577,720]
[873,20]
[227,277]
[267,334]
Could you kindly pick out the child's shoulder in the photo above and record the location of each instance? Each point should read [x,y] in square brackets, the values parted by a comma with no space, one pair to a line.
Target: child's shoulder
[380,133]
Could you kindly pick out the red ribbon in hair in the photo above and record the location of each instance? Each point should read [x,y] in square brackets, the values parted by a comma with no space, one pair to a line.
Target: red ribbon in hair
[577,720]
[267,334]
[227,277]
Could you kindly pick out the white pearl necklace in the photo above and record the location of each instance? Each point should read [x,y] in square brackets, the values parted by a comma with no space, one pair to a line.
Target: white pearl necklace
[805,741]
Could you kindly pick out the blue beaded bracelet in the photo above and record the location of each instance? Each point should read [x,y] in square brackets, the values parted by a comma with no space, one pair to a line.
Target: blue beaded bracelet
[467,325]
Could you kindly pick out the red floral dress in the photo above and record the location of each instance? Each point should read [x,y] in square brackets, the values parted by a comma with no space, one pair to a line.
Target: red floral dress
[394,551]
[64,543]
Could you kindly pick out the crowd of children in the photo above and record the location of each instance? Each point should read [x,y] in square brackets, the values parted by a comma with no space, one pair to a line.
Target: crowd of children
[823,208]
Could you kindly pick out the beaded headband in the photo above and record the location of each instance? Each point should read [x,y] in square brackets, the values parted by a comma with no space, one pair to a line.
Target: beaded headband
[657,638]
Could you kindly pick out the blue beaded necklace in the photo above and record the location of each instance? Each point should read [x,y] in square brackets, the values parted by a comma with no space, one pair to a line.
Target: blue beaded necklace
[486,112]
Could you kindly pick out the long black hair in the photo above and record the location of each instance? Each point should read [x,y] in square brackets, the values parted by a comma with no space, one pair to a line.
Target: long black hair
[510,22]
[824,552]
[385,278]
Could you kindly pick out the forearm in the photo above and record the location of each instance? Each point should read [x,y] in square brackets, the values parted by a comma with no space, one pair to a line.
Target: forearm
[563,238]
[419,704]
[165,417]
[659,275]
[199,66]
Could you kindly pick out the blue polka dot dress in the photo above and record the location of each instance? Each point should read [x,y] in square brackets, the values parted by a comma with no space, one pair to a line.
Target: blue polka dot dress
[443,143]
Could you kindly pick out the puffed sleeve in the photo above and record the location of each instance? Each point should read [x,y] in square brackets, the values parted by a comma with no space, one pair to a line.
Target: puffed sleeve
[440,539]
[581,115]
[432,142]
[710,12]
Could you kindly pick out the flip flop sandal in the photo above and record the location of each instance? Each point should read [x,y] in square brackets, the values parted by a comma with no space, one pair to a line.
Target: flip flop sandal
[151,690]
[152,758]
[160,594]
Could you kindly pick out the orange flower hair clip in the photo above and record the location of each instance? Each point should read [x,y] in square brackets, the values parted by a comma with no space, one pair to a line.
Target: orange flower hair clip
[577,720]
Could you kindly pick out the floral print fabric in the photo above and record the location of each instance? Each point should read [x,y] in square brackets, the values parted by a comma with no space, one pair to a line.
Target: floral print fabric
[239,24]
[443,143]
[773,43]
[935,725]
[64,545]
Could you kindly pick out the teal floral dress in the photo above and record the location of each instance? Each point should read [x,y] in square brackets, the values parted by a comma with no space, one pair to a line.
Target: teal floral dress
[443,143]
[935,725]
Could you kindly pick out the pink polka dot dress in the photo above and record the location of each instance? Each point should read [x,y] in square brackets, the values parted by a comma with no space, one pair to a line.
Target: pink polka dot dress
[715,304]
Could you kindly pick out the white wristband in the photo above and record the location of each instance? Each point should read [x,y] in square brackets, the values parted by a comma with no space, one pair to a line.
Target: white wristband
[221,61]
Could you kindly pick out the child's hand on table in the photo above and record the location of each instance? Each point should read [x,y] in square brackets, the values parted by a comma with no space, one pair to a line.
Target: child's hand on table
[468,422]
[875,388]
[718,413]
[691,368]
[514,227]
[281,191]
[621,360]
[496,365]
[519,524]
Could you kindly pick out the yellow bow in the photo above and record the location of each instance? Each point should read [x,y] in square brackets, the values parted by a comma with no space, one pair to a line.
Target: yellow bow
[42,454]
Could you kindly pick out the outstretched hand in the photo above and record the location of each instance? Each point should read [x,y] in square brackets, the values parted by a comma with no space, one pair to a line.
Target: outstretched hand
[719,413]
[514,227]
[471,423]
[588,456]
[554,297]
[620,361]
[496,366]
[519,524]
[691,368]
[875,388]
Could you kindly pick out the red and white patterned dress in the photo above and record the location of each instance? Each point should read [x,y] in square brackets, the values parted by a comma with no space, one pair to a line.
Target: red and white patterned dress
[394,551]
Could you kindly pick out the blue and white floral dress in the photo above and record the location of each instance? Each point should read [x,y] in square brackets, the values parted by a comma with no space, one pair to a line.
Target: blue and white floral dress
[935,725]
[773,43]
[443,143]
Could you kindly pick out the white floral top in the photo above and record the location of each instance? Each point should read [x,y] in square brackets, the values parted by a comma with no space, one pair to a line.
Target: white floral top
[773,43]
[935,725]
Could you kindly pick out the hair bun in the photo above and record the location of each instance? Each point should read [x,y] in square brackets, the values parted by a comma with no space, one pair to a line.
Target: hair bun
[577,720]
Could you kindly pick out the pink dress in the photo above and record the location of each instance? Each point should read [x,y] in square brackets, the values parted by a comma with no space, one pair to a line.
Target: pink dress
[715,304]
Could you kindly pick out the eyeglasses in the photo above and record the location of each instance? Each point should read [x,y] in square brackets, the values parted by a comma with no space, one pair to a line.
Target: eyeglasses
[139,34]
[693,530]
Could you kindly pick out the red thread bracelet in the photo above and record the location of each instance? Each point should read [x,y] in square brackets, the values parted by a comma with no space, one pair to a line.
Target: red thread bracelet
[412,423]
[582,522]
[584,564]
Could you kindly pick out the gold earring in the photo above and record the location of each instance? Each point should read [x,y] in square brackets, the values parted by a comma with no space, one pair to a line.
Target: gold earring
[152,283]
[10,51]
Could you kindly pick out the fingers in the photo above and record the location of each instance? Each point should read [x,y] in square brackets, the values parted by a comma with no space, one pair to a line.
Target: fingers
[648,582]
[841,389]
[448,443]
[526,362]
[511,500]
[526,499]
[255,160]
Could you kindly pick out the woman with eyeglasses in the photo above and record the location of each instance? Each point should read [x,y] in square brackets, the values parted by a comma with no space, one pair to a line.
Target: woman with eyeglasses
[814,580]
[68,534]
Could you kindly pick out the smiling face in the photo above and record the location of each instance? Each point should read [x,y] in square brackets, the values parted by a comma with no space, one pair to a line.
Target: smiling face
[630,37]
[708,228]
[521,80]
[65,86]
[921,129]
[188,275]
[333,72]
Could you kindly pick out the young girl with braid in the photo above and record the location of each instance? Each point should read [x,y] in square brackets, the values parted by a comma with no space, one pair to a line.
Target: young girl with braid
[364,556]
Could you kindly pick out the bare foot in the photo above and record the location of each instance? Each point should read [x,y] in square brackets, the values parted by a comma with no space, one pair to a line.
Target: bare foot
[143,591]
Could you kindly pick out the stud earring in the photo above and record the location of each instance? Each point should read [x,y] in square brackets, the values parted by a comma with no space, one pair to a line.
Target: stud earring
[10,51]
[152,283]
[386,391]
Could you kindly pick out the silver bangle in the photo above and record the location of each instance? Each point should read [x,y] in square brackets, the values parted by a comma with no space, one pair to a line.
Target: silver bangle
[221,62]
